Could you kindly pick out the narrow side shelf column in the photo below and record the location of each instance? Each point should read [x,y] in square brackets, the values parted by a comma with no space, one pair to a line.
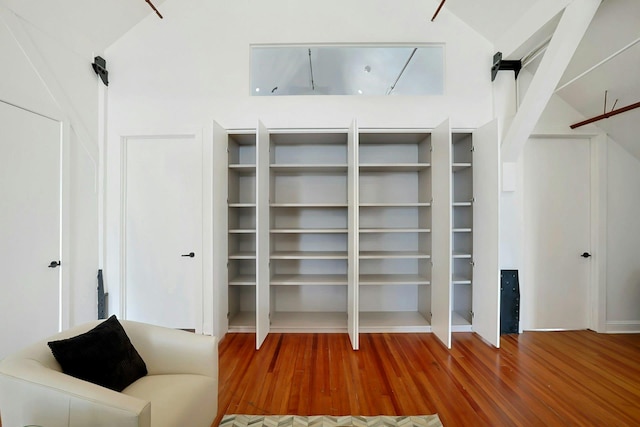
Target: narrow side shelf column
[241,240]
[462,232]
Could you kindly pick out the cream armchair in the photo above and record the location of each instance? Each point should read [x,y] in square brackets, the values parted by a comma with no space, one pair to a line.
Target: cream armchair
[180,389]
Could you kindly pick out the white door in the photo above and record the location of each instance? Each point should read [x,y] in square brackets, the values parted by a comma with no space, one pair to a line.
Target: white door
[486,225]
[30,147]
[557,232]
[163,230]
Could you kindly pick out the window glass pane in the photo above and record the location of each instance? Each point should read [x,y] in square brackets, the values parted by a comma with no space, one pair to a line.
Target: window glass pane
[347,70]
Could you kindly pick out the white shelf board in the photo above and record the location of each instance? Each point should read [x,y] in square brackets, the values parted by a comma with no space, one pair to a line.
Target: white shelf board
[461,230]
[308,230]
[393,321]
[461,255]
[242,255]
[243,321]
[392,254]
[309,279]
[309,205]
[243,280]
[393,279]
[312,321]
[458,280]
[394,230]
[309,255]
[242,205]
[460,322]
[395,205]
[308,168]
[461,204]
[393,167]
[242,167]
[455,167]
[242,231]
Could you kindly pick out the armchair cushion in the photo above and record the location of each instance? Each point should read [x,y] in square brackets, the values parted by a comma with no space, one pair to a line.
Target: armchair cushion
[103,355]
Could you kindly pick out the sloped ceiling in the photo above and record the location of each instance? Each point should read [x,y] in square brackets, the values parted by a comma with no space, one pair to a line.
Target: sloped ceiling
[98,23]
[607,59]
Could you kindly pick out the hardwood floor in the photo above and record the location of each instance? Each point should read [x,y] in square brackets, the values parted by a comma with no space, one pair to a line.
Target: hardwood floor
[576,378]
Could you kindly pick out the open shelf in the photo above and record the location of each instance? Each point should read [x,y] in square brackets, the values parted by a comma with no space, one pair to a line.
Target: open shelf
[309,321]
[461,322]
[243,321]
[392,254]
[391,167]
[393,279]
[308,255]
[393,321]
[309,279]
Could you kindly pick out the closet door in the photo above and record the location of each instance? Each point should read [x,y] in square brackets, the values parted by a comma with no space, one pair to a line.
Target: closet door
[263,303]
[352,224]
[441,233]
[486,270]
[222,311]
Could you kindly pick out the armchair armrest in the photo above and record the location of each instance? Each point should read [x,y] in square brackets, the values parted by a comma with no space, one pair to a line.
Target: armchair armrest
[170,351]
[34,394]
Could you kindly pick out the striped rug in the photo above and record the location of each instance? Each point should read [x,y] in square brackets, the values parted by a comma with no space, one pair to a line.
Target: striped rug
[236,420]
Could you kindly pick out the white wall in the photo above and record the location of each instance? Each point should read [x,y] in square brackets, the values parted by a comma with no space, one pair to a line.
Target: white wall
[44,76]
[623,240]
[183,72]
[617,174]
[193,66]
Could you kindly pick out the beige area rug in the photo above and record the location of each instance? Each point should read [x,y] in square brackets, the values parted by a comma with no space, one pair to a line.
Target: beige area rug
[236,420]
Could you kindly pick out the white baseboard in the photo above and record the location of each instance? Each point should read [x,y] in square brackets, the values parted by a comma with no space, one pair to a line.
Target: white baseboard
[623,327]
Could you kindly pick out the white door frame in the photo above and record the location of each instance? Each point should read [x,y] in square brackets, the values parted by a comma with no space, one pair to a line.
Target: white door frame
[204,317]
[596,291]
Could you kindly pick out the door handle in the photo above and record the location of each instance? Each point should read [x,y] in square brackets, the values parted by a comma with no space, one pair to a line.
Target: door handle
[54,264]
[585,255]
[190,255]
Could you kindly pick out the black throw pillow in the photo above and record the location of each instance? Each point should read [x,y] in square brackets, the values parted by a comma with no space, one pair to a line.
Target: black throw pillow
[104,356]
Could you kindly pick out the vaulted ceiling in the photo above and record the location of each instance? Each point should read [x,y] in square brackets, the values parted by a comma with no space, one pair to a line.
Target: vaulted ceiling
[607,59]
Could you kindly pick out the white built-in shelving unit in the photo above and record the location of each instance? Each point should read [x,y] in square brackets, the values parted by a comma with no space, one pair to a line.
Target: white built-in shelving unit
[360,230]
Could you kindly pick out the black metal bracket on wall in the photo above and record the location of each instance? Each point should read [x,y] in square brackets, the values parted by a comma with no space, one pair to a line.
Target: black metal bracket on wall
[100,67]
[499,64]
[102,297]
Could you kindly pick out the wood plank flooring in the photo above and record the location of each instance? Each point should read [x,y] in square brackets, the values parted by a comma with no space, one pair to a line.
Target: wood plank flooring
[578,378]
